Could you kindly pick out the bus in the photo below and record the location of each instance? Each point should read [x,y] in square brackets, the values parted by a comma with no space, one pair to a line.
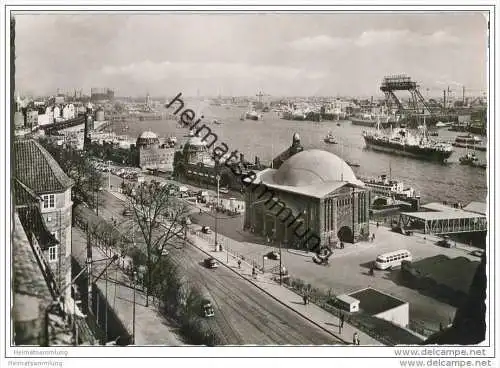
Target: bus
[392,259]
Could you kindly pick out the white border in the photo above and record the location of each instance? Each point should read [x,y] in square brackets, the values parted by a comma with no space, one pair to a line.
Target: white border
[246,351]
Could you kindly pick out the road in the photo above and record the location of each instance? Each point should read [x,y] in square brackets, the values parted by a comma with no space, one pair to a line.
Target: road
[243,313]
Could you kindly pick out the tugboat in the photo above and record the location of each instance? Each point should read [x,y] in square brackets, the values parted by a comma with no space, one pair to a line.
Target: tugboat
[470,159]
[330,139]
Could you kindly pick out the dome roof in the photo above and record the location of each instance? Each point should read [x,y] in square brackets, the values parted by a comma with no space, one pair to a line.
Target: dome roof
[196,141]
[148,135]
[313,167]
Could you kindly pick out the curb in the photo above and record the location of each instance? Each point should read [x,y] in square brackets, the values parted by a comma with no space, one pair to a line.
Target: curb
[275,298]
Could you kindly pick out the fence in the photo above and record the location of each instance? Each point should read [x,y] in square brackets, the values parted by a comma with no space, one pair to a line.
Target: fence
[326,301]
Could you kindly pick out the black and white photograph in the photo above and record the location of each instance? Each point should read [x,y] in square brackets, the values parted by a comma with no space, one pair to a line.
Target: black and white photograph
[314,180]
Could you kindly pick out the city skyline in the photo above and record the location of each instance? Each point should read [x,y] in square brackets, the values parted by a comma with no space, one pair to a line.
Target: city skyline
[282,55]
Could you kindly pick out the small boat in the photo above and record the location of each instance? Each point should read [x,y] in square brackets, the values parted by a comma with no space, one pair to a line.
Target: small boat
[468,139]
[338,124]
[217,121]
[469,159]
[330,139]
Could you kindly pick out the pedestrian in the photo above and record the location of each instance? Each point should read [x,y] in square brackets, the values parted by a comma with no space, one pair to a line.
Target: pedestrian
[377,224]
[342,321]
[200,211]
[304,297]
[239,263]
[355,339]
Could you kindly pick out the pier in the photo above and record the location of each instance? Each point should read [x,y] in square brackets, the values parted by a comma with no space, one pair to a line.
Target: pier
[443,219]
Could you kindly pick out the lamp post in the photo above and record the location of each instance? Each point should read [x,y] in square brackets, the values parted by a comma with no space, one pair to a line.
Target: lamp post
[109,176]
[216,212]
[133,311]
[281,268]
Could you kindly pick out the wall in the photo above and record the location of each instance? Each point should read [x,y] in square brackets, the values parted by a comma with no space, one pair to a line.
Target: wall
[399,315]
[154,156]
[58,220]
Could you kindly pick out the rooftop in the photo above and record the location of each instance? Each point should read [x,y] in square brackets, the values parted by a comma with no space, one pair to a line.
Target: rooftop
[476,207]
[374,302]
[28,278]
[440,211]
[443,270]
[37,169]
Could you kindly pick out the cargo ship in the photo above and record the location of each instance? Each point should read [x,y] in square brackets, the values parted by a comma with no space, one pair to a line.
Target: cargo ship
[371,121]
[402,142]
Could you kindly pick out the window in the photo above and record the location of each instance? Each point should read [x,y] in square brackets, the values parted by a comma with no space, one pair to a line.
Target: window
[49,201]
[53,253]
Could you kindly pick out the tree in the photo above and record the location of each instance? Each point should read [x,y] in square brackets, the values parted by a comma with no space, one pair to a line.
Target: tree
[161,218]
[78,167]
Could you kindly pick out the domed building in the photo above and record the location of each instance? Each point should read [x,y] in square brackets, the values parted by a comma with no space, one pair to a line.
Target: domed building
[195,151]
[151,154]
[147,139]
[313,198]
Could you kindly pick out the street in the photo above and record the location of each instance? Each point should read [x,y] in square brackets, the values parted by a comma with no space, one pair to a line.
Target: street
[243,314]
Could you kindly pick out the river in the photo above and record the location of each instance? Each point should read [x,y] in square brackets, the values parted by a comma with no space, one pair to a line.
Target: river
[266,138]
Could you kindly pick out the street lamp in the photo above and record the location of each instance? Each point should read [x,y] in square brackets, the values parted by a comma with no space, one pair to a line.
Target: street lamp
[216,212]
[109,176]
[133,311]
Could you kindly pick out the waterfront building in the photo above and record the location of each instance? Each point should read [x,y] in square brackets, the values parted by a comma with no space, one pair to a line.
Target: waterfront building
[68,112]
[43,200]
[319,194]
[153,155]
[31,119]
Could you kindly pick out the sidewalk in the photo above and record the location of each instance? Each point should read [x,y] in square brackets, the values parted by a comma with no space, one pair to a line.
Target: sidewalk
[150,327]
[287,297]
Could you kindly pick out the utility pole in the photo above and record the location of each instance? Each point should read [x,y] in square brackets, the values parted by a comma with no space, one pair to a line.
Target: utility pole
[216,212]
[89,274]
[133,312]
[281,268]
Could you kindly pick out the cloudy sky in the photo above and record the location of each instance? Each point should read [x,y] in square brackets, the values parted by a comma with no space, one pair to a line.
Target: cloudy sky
[280,54]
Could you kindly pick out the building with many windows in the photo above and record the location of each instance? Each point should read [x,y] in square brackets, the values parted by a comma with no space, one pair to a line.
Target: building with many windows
[152,154]
[314,192]
[37,173]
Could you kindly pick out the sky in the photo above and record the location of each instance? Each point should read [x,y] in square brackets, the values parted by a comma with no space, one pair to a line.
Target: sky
[241,54]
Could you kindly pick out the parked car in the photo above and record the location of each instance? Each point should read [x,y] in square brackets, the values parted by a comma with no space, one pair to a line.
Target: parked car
[273,255]
[211,263]
[477,253]
[206,230]
[207,310]
[224,190]
[444,242]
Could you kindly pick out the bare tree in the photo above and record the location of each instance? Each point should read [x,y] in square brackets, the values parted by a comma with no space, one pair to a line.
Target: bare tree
[161,218]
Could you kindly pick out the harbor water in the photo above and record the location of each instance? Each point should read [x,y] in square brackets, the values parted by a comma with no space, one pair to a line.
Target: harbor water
[268,137]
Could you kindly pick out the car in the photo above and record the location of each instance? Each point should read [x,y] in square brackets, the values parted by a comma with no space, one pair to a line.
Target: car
[207,310]
[273,255]
[206,230]
[445,242]
[210,263]
[224,190]
[477,253]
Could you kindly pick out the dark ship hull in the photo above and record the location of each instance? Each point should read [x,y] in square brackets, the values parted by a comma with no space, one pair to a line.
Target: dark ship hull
[370,123]
[426,153]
